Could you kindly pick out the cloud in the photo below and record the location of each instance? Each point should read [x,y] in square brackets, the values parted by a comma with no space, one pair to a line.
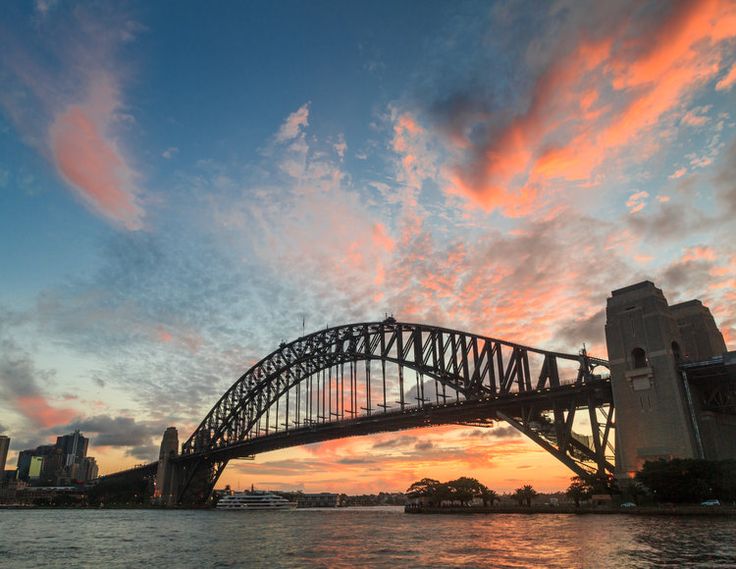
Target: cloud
[637,202]
[497,432]
[170,152]
[64,96]
[697,116]
[728,80]
[21,386]
[605,91]
[117,431]
[395,442]
[91,162]
[294,124]
[679,173]
[44,6]
[341,146]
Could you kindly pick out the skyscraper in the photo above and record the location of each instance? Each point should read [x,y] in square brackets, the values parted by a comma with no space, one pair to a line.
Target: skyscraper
[4,446]
[73,446]
[88,470]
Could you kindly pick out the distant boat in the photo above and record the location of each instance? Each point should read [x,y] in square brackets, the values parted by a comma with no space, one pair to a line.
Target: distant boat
[254,500]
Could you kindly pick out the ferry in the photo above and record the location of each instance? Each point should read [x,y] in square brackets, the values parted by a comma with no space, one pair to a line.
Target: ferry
[255,500]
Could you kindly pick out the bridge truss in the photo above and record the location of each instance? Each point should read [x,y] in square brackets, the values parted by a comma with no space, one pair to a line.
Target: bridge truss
[384,376]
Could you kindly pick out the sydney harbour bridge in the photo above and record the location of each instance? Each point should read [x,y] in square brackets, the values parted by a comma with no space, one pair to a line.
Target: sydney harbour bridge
[374,377]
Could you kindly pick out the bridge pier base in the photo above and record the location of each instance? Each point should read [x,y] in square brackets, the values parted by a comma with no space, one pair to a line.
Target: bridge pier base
[196,479]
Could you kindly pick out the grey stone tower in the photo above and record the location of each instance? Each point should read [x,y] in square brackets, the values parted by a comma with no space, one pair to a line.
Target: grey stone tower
[653,418]
[701,338]
[166,473]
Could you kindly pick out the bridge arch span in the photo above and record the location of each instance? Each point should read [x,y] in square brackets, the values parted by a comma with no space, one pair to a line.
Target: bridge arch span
[379,376]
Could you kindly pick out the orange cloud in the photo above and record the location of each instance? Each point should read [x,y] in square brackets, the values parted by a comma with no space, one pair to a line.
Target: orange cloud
[89,159]
[599,99]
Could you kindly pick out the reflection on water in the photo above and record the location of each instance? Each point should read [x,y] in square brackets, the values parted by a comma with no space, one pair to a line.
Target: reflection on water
[358,538]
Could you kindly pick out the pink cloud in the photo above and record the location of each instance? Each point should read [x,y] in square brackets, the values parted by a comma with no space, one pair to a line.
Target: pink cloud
[728,80]
[698,253]
[37,409]
[637,201]
[382,238]
[89,159]
[294,124]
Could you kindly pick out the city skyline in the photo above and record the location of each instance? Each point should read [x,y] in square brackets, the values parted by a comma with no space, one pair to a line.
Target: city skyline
[178,198]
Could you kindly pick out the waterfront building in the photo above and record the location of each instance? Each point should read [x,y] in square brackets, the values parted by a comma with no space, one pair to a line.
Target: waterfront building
[35,467]
[24,464]
[321,500]
[62,464]
[88,469]
[4,446]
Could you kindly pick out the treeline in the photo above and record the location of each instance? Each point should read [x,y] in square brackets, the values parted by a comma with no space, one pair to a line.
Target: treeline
[463,490]
[380,499]
[683,481]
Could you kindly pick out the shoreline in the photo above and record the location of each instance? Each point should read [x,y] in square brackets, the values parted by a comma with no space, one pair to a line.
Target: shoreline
[723,511]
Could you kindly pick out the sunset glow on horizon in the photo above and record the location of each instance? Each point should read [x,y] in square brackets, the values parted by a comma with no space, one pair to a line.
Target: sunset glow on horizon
[184,186]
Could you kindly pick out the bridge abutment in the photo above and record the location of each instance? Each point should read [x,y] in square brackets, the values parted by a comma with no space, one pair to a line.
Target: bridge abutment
[657,413]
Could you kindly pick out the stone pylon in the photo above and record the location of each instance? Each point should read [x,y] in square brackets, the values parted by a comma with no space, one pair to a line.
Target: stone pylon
[166,483]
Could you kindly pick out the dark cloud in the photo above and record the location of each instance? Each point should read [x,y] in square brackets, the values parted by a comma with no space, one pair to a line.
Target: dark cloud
[670,221]
[399,441]
[590,330]
[687,275]
[726,181]
[505,433]
[354,460]
[18,373]
[495,433]
[424,445]
[106,430]
[147,453]
[22,383]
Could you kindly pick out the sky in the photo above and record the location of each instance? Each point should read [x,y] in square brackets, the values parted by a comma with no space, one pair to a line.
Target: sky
[182,184]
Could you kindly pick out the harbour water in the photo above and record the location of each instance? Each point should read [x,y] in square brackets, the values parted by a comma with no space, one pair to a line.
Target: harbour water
[361,537]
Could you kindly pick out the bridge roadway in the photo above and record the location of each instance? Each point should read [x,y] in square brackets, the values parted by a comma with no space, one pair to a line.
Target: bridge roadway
[513,405]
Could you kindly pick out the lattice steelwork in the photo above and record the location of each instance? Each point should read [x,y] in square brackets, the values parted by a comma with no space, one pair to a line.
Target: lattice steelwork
[382,376]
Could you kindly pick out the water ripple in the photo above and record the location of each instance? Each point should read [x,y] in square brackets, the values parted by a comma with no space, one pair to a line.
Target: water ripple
[377,538]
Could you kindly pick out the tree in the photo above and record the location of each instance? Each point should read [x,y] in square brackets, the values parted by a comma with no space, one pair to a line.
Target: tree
[423,487]
[466,489]
[525,494]
[518,495]
[683,480]
[426,488]
[604,483]
[578,490]
[490,497]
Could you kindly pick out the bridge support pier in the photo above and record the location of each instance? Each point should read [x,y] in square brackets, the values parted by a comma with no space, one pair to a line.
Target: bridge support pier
[166,474]
[648,340]
[196,478]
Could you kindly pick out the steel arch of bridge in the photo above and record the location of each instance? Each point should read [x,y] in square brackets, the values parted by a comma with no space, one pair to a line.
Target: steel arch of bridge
[455,377]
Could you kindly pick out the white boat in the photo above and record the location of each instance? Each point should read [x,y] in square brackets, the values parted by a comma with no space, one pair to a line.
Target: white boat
[254,500]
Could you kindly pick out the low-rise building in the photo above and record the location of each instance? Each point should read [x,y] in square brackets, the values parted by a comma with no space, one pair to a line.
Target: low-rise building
[321,500]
